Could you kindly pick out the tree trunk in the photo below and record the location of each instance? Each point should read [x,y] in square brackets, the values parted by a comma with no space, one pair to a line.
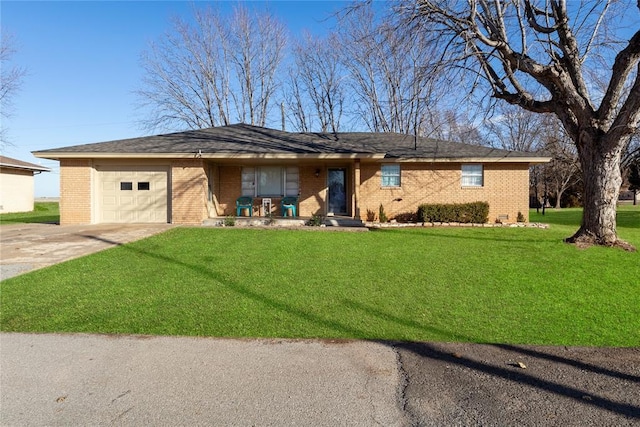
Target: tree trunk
[602,180]
[558,197]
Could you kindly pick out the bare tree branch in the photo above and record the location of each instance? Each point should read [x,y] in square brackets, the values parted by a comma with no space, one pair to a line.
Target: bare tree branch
[543,72]
[213,71]
[11,78]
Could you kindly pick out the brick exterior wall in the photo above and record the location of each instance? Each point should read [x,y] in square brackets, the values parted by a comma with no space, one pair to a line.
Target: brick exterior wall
[505,188]
[75,191]
[313,190]
[228,188]
[188,192]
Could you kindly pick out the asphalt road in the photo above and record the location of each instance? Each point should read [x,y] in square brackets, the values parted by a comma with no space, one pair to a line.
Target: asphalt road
[503,385]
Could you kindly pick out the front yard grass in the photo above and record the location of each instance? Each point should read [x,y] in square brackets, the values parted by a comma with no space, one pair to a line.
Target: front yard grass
[488,285]
[43,212]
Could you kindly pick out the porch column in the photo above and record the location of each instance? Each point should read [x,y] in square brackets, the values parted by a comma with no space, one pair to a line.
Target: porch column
[356,189]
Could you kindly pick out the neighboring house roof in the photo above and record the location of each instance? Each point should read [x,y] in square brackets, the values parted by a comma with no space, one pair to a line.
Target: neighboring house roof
[246,141]
[9,163]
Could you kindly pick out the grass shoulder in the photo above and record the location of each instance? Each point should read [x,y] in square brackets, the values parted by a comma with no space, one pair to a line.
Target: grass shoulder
[43,213]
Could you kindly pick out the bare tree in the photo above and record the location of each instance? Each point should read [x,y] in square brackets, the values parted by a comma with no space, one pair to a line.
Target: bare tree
[513,128]
[454,125]
[386,72]
[534,54]
[212,72]
[299,111]
[257,49]
[634,178]
[10,80]
[632,152]
[564,169]
[316,89]
[631,165]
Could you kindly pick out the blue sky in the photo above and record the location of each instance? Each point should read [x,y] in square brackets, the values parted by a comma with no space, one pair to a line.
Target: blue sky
[82,61]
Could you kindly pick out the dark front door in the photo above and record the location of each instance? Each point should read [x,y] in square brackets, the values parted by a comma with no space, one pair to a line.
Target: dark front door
[337,191]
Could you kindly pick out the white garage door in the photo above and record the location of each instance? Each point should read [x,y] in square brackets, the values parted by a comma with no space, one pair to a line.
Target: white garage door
[132,195]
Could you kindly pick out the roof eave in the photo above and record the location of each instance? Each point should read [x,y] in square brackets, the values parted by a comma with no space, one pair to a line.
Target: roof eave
[27,168]
[530,160]
[57,155]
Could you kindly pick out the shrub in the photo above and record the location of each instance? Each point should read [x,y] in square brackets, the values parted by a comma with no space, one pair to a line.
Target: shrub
[476,212]
[406,217]
[315,221]
[382,216]
[371,215]
[229,221]
[520,217]
[269,219]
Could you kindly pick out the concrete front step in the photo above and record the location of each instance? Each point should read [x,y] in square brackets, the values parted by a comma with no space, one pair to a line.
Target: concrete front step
[343,222]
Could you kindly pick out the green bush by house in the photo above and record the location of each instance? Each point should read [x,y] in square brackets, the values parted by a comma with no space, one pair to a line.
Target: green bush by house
[476,212]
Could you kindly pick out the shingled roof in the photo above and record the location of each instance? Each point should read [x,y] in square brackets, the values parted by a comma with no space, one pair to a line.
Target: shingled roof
[246,141]
[10,163]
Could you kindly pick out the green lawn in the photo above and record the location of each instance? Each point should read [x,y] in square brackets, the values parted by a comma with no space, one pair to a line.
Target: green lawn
[43,212]
[498,285]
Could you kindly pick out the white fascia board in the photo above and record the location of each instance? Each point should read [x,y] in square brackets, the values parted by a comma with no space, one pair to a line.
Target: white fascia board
[53,155]
[531,160]
[271,156]
[23,167]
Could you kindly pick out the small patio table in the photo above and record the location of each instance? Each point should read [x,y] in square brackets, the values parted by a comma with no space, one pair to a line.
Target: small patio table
[266,206]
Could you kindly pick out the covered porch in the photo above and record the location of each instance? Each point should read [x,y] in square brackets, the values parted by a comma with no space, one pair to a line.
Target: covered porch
[253,191]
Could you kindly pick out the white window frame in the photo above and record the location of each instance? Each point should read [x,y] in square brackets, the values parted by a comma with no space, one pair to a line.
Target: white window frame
[472,175]
[266,187]
[390,175]
[289,181]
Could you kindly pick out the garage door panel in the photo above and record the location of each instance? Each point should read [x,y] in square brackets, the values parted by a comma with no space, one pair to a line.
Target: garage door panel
[109,201]
[145,202]
[132,196]
[109,216]
[127,216]
[126,201]
[148,216]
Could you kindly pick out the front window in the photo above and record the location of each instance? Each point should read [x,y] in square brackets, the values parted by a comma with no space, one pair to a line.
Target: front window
[270,181]
[390,175]
[472,176]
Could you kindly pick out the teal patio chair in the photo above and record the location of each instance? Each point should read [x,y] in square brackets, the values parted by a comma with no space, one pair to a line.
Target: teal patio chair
[244,202]
[289,203]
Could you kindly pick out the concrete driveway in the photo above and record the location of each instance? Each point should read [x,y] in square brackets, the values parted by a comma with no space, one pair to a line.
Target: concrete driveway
[26,247]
